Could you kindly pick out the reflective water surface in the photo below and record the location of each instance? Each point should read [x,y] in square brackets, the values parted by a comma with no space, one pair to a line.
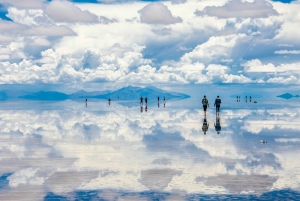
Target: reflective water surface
[119,151]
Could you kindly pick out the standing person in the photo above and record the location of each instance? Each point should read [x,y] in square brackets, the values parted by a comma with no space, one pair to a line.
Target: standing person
[141,98]
[109,101]
[158,99]
[146,100]
[85,101]
[217,104]
[205,105]
[205,126]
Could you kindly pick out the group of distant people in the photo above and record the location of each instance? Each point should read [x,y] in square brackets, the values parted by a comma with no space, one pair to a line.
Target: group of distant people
[238,99]
[217,104]
[146,101]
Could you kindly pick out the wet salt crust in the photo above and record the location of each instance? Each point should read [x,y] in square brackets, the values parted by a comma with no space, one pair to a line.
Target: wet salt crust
[67,151]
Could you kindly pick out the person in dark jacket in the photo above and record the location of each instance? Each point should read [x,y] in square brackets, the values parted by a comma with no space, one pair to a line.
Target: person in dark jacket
[217,104]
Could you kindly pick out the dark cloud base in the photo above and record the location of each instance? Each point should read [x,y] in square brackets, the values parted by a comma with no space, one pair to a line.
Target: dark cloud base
[286,194]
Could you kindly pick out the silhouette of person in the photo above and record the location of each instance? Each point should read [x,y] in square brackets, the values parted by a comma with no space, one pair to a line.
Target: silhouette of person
[146,100]
[158,99]
[108,101]
[205,126]
[164,99]
[217,104]
[218,124]
[141,98]
[250,98]
[237,99]
[85,101]
[205,104]
[146,109]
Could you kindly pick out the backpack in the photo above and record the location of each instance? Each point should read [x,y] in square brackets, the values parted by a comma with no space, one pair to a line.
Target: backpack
[204,101]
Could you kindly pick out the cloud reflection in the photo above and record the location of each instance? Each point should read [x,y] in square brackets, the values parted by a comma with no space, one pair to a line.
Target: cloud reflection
[119,148]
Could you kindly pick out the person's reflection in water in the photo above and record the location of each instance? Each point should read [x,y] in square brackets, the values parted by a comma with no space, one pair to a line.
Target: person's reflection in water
[158,104]
[146,108]
[205,126]
[141,108]
[218,123]
[108,101]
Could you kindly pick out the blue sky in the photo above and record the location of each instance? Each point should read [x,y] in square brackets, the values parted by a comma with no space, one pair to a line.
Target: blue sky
[149,42]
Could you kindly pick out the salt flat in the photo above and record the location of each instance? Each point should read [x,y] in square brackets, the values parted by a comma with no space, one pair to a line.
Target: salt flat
[67,150]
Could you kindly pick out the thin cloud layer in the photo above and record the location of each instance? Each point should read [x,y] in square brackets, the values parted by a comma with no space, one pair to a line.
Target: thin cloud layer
[240,9]
[157,13]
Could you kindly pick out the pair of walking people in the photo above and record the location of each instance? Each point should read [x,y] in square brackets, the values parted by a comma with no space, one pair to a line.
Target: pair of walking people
[217,104]
[205,104]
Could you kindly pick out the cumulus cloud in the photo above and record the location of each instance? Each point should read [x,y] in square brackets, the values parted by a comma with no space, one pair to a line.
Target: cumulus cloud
[39,41]
[157,13]
[216,48]
[65,11]
[256,65]
[240,9]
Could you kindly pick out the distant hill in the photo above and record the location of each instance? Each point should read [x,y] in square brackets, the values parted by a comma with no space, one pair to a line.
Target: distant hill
[288,96]
[134,93]
[126,93]
[82,94]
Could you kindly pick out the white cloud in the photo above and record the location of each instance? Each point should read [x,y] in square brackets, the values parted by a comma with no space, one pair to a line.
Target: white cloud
[287,52]
[65,11]
[287,140]
[157,13]
[216,48]
[38,41]
[256,65]
[240,9]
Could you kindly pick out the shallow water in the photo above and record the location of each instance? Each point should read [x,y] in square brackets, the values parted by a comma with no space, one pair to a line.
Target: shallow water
[67,151]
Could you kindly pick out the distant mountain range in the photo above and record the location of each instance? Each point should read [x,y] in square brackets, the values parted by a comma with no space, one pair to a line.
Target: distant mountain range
[288,96]
[126,93]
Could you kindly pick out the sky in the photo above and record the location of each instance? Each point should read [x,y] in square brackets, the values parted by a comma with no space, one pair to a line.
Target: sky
[122,42]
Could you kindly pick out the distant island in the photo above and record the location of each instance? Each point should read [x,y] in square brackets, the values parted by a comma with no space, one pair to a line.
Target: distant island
[288,96]
[125,93]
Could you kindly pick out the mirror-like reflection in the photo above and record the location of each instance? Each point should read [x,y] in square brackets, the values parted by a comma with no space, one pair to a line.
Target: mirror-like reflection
[114,149]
